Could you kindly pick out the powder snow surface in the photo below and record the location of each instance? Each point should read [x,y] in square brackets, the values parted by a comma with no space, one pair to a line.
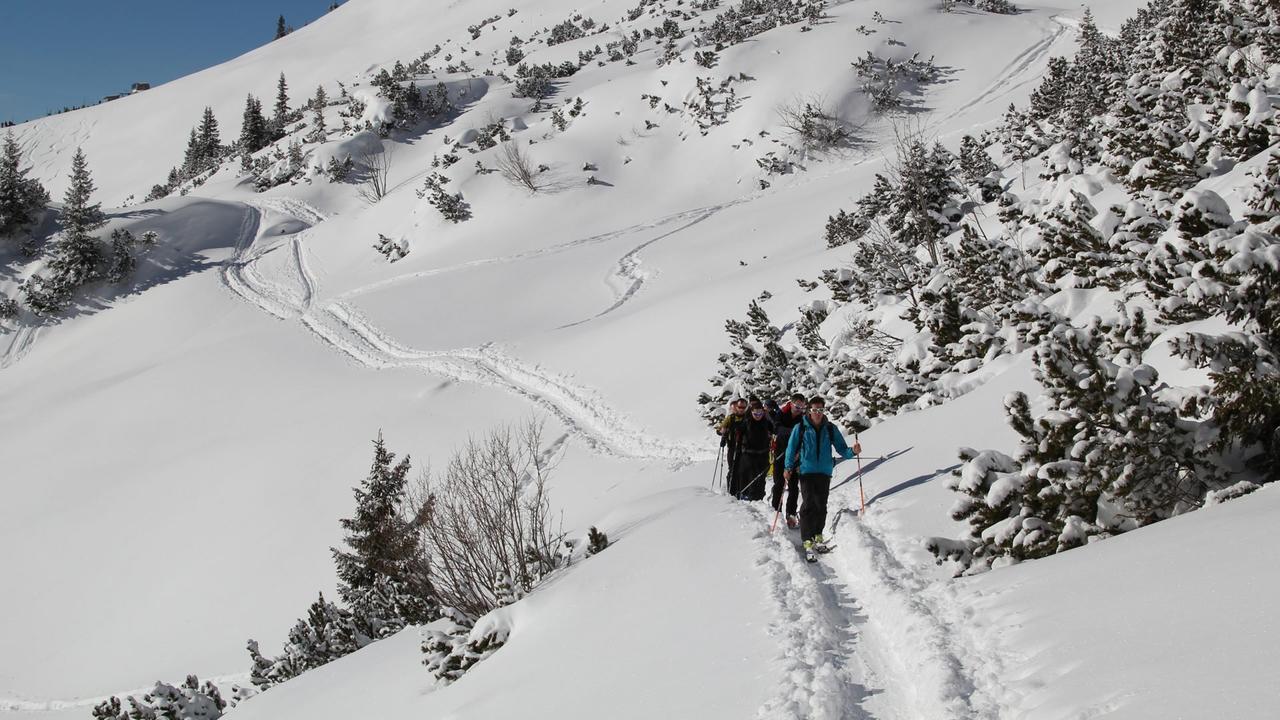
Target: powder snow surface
[175,460]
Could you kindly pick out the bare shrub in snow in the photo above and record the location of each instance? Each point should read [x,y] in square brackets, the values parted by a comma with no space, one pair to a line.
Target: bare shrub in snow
[517,167]
[377,167]
[490,521]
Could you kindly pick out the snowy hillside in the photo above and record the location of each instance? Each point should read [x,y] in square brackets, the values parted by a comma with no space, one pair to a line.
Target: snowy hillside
[178,448]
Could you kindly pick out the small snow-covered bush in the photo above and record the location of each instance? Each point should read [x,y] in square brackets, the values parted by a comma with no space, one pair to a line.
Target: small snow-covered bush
[816,127]
[189,701]
[597,541]
[453,650]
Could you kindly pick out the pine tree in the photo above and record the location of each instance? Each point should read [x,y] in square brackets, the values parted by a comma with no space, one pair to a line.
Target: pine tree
[21,198]
[383,550]
[1050,97]
[318,104]
[974,163]
[281,28]
[1068,245]
[281,116]
[76,255]
[254,131]
[1107,455]
[210,142]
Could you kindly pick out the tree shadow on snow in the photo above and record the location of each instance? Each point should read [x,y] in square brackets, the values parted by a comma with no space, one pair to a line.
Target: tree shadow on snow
[905,484]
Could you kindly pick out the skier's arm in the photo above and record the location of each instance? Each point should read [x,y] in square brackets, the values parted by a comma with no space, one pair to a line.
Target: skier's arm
[793,450]
[841,446]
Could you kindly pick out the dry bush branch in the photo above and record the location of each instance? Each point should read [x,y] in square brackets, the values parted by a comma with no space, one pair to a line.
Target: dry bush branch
[517,167]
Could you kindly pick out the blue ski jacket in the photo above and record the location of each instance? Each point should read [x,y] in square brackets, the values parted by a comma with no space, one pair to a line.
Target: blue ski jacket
[809,448]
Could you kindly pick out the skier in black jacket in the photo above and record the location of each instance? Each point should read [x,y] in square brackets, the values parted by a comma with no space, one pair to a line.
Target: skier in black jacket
[753,456]
[788,417]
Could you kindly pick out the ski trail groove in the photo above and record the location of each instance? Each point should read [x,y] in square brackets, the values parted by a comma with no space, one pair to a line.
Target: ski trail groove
[627,271]
[909,638]
[1020,65]
[581,410]
[821,675]
[529,254]
[24,337]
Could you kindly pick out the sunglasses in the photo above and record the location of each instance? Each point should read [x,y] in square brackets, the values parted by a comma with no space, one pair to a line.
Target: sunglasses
[818,410]
[757,411]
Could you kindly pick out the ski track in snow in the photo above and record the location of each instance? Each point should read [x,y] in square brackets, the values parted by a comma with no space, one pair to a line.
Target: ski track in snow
[24,337]
[627,271]
[821,675]
[698,214]
[1014,75]
[581,410]
[865,636]
[914,635]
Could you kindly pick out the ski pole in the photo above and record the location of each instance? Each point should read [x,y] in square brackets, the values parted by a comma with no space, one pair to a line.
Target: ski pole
[715,475]
[861,493]
[749,485]
[781,501]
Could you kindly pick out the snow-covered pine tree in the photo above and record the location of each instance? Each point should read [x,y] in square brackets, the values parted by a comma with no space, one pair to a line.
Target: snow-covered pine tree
[76,255]
[452,206]
[281,116]
[318,104]
[255,133]
[451,651]
[975,165]
[1048,99]
[122,257]
[328,633]
[1066,245]
[209,142]
[1238,278]
[383,557]
[21,198]
[189,701]
[1108,454]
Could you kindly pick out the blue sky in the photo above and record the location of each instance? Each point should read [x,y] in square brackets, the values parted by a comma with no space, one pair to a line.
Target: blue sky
[55,53]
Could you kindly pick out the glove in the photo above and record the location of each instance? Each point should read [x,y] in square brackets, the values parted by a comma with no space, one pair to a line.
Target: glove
[857,448]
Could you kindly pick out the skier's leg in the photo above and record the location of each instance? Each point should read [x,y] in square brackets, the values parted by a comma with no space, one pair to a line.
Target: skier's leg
[821,489]
[810,512]
[778,484]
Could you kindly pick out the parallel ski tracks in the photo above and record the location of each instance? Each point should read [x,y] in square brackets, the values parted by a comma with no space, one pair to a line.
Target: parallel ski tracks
[583,411]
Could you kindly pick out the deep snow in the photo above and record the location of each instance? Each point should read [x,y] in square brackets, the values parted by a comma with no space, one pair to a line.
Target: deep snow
[176,459]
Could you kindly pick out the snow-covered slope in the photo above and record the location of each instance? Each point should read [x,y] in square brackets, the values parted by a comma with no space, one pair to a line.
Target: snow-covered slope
[176,460]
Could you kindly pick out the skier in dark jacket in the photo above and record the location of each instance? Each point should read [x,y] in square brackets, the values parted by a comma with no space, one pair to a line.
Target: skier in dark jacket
[809,456]
[753,456]
[787,418]
[730,430]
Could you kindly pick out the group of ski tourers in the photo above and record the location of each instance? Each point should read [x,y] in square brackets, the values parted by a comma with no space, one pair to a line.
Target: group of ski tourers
[793,444]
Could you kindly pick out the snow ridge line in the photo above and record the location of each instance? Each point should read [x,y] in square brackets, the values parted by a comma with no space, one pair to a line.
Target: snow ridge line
[816,630]
[908,635]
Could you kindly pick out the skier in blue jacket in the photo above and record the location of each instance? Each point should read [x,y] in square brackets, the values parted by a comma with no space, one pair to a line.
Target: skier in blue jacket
[809,455]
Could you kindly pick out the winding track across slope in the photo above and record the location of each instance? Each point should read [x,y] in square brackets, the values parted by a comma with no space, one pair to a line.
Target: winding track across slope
[581,410]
